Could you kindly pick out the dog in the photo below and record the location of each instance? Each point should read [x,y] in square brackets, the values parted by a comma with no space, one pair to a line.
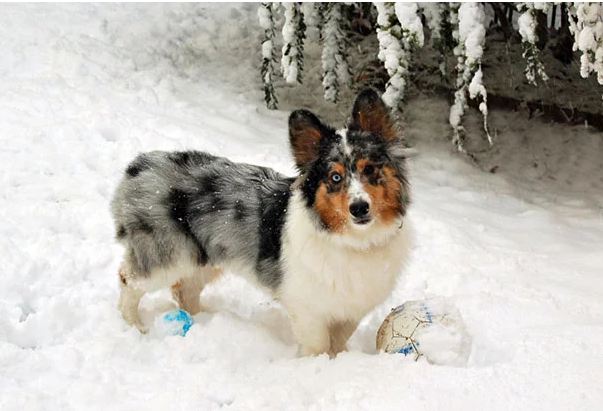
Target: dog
[328,244]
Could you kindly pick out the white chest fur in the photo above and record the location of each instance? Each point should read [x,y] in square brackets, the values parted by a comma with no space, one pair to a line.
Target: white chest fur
[334,277]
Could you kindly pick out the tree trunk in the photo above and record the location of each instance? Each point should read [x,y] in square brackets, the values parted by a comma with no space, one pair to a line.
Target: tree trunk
[542,30]
[562,50]
[501,19]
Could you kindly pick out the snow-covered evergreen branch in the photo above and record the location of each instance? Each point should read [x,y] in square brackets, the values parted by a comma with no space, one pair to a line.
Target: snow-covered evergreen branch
[335,69]
[294,33]
[412,27]
[311,16]
[527,29]
[437,17]
[433,18]
[586,24]
[399,32]
[470,33]
[391,53]
[266,18]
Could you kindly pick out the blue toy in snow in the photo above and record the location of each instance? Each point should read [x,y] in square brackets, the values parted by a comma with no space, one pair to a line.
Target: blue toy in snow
[176,322]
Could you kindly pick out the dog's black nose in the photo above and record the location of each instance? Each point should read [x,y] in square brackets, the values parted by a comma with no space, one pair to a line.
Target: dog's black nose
[359,208]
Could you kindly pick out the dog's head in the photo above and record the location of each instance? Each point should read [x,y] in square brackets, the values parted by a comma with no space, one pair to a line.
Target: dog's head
[352,179]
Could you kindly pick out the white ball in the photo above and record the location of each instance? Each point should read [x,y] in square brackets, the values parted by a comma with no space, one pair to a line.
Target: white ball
[432,328]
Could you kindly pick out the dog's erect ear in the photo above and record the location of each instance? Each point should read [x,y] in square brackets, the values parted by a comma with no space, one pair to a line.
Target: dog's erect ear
[305,133]
[371,114]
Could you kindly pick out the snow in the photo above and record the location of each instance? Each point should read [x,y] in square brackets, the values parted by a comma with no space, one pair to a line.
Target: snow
[433,17]
[527,29]
[311,19]
[586,24]
[457,109]
[407,14]
[527,26]
[586,39]
[472,32]
[265,21]
[400,32]
[267,49]
[391,53]
[476,87]
[289,60]
[264,17]
[334,63]
[445,341]
[84,87]
[469,51]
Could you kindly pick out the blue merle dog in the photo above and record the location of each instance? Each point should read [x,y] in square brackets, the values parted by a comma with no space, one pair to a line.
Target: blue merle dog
[328,243]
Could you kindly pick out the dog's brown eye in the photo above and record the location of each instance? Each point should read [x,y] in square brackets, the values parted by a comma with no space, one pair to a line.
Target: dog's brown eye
[336,177]
[368,170]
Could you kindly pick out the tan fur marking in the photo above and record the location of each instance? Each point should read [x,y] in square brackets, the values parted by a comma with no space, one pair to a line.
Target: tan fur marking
[332,208]
[177,290]
[122,276]
[186,290]
[339,334]
[377,120]
[360,164]
[338,168]
[385,197]
[305,144]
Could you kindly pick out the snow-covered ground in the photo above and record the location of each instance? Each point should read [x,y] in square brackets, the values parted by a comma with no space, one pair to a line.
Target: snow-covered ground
[83,88]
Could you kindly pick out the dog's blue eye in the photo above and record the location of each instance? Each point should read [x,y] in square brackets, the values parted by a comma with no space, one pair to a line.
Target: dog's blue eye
[336,178]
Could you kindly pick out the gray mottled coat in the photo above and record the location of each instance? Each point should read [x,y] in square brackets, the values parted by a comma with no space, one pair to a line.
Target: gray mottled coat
[215,210]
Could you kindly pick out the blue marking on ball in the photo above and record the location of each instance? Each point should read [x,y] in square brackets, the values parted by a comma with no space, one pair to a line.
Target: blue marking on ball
[177,322]
[427,313]
[407,350]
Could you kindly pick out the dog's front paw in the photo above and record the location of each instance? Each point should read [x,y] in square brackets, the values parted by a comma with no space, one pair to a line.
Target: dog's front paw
[141,327]
[334,352]
[307,351]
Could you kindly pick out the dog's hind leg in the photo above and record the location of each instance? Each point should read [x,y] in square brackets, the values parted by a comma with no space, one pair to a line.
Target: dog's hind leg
[129,300]
[187,290]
